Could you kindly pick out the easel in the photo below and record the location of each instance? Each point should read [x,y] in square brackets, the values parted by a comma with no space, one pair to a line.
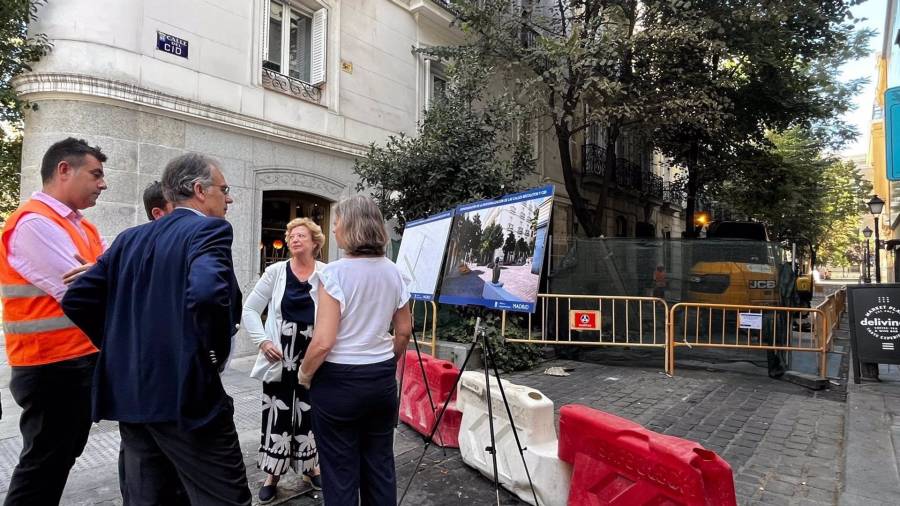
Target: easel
[479,337]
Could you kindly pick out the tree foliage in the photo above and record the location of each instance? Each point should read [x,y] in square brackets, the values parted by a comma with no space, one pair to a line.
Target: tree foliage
[805,195]
[464,151]
[575,64]
[703,80]
[18,50]
[761,67]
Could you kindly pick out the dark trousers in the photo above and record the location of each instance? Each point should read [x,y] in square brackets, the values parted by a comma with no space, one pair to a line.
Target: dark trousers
[208,462]
[55,422]
[353,408]
[178,496]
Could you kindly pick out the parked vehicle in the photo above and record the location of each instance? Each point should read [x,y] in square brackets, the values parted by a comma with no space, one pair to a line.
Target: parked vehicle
[740,269]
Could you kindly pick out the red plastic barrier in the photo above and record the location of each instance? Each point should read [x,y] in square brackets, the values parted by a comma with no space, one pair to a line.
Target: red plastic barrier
[618,462]
[416,410]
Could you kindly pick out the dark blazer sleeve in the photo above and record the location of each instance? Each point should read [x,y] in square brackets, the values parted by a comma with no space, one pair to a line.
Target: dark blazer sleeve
[85,300]
[211,288]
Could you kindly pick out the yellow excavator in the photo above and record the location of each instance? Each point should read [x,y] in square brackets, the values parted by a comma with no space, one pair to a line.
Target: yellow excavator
[738,266]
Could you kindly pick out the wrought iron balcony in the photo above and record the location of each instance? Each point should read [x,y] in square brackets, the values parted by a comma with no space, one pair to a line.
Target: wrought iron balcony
[652,185]
[672,195]
[593,157]
[290,86]
[628,174]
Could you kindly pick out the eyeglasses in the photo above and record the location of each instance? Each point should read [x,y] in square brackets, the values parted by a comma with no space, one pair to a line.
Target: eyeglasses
[224,187]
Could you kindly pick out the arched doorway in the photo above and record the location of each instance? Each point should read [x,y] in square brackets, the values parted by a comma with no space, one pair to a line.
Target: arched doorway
[278,208]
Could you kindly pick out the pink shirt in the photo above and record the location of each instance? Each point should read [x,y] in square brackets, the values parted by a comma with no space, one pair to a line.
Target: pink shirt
[41,252]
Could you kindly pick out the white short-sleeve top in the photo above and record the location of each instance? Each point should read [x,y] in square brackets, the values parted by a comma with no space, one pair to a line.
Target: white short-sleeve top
[370,290]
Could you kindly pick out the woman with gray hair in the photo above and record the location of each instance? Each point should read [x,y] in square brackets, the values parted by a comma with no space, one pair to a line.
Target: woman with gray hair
[350,365]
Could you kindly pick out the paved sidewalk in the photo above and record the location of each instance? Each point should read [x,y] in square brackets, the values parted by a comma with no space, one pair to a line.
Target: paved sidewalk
[872,463]
[786,444]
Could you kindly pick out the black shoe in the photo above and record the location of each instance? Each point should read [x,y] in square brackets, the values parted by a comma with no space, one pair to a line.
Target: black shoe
[314,481]
[267,493]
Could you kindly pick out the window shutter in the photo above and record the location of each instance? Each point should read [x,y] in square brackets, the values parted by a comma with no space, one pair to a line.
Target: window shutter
[317,52]
[265,30]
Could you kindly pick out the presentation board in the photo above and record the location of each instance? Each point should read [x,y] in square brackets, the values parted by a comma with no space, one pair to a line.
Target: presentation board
[496,251]
[421,253]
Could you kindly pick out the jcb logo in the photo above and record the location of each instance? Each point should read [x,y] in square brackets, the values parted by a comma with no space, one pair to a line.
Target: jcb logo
[762,283]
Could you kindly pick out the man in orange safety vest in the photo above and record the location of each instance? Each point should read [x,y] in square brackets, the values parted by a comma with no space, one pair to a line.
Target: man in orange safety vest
[44,244]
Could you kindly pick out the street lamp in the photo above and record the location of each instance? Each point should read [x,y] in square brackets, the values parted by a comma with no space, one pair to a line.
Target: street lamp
[875,207]
[867,233]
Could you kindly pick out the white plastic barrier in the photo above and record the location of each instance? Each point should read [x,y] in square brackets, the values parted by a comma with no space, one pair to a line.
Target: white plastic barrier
[533,415]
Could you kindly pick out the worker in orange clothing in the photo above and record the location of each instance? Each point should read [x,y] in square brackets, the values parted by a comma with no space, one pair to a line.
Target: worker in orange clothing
[45,243]
[659,282]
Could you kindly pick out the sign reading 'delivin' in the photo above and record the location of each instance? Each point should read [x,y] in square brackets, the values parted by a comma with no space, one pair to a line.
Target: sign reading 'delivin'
[874,324]
[171,44]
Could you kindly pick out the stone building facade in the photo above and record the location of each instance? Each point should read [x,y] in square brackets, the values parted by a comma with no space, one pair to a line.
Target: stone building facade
[284,93]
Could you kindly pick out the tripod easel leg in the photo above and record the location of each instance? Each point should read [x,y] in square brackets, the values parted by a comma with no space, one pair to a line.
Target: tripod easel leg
[437,420]
[490,353]
[490,401]
[488,357]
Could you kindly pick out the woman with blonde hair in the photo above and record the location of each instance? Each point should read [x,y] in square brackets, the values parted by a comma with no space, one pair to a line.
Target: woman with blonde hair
[351,361]
[289,289]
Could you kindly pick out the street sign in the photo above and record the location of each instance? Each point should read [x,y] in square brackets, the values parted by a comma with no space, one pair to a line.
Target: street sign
[874,324]
[584,320]
[892,133]
[171,44]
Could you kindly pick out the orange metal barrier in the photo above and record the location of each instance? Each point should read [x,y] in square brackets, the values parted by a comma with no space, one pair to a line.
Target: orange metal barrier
[638,322]
[833,306]
[697,325]
[424,334]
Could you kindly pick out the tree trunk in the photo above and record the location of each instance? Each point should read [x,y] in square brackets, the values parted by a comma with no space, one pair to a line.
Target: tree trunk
[609,171]
[693,184]
[579,204]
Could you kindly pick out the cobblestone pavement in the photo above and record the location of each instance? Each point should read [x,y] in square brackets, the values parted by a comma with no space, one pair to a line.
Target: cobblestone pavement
[784,443]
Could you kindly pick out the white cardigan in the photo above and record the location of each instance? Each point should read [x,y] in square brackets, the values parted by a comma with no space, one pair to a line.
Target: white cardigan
[269,291]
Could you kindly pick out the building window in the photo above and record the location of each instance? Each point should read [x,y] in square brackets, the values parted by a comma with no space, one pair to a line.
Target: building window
[435,82]
[525,131]
[438,86]
[294,49]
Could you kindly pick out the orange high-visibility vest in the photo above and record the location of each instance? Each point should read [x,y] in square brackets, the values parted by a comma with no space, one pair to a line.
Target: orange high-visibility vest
[37,331]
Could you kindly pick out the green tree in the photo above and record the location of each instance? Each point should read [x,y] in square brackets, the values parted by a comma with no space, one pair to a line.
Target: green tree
[509,247]
[521,249]
[463,151]
[18,50]
[759,67]
[473,246]
[491,239]
[805,195]
[576,64]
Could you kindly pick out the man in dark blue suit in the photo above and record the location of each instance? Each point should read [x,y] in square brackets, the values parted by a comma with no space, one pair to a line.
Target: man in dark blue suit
[162,305]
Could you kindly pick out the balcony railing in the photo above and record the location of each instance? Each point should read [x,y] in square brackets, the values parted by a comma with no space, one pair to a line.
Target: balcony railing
[673,195]
[594,159]
[626,174]
[652,185]
[290,86]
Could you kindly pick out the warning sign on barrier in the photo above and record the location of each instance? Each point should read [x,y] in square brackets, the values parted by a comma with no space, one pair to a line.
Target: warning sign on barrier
[751,321]
[584,320]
